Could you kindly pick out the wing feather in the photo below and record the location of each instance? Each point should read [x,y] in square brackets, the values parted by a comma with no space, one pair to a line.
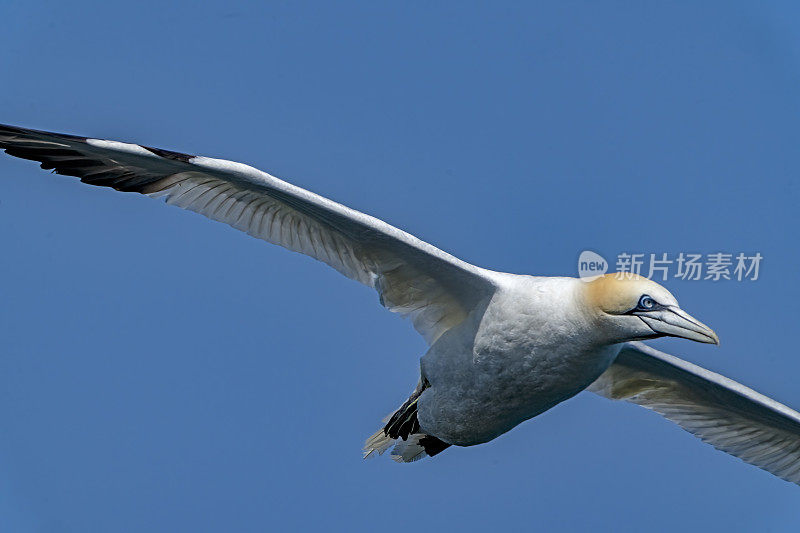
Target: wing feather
[726,414]
[412,277]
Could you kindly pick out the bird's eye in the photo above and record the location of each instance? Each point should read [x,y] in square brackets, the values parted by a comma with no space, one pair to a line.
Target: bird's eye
[646,302]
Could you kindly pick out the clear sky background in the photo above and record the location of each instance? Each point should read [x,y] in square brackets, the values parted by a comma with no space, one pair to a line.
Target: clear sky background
[162,372]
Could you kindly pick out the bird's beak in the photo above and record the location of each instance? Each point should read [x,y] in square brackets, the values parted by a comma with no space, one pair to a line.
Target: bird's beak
[675,322]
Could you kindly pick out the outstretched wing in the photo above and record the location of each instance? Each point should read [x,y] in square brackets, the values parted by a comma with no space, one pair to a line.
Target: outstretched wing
[722,412]
[413,278]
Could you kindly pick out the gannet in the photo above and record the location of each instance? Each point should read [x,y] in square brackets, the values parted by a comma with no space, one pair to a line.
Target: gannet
[503,348]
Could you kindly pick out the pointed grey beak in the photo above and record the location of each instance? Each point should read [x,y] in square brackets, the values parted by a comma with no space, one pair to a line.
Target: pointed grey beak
[675,322]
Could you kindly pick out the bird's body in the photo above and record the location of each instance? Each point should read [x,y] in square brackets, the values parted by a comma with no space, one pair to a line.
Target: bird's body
[502,347]
[529,348]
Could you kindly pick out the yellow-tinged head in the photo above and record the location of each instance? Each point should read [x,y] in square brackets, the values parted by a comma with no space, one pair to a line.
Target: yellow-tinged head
[632,307]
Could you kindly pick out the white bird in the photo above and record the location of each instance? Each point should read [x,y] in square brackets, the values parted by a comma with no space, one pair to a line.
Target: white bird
[503,347]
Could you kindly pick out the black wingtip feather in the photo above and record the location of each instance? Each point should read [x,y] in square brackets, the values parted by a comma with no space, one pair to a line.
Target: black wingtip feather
[7,129]
[169,154]
[70,155]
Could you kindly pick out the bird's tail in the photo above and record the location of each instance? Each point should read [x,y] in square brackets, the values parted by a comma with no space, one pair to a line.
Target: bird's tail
[403,432]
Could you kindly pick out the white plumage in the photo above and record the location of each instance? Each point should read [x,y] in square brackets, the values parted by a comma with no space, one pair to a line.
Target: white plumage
[503,348]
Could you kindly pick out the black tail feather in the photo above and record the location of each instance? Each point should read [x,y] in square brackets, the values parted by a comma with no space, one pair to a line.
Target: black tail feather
[404,424]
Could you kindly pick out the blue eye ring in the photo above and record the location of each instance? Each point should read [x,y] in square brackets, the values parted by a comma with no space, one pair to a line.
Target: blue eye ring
[646,302]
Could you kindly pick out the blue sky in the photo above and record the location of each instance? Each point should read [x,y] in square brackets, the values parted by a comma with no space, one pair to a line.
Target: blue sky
[162,372]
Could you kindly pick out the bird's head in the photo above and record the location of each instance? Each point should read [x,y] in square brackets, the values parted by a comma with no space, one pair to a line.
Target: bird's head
[631,307]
